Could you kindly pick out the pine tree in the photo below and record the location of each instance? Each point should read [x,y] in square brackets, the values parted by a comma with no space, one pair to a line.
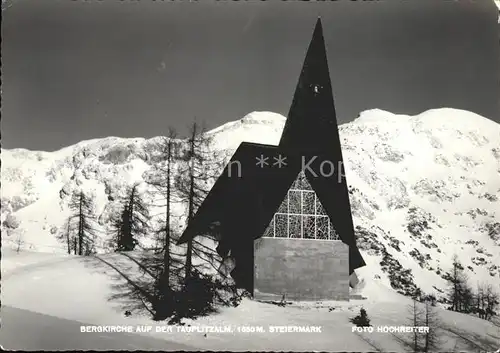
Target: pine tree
[123,239]
[362,319]
[132,221]
[83,215]
[459,293]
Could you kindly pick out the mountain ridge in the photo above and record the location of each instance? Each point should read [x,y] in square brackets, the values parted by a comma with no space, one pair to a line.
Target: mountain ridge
[422,188]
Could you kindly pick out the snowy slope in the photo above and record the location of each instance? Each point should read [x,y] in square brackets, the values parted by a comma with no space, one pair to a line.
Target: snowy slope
[103,296]
[422,189]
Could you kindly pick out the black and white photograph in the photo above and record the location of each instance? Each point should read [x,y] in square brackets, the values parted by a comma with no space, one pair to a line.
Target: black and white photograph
[223,175]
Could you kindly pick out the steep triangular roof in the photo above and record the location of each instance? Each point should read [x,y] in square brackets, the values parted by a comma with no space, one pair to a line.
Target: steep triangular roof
[312,122]
[242,206]
[311,131]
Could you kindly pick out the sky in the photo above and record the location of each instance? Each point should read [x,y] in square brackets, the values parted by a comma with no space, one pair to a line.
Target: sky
[75,70]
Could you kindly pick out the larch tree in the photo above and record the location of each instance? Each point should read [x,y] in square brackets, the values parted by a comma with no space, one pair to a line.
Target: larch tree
[479,301]
[415,319]
[19,241]
[161,177]
[200,164]
[466,300]
[459,293]
[82,207]
[66,236]
[431,321]
[492,301]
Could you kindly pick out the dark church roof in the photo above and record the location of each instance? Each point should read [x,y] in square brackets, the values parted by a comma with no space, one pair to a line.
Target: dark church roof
[245,197]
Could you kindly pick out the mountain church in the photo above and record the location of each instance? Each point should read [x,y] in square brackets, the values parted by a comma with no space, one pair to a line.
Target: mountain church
[281,214]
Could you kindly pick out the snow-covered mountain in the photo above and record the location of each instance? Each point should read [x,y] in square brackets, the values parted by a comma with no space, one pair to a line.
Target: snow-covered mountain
[423,188]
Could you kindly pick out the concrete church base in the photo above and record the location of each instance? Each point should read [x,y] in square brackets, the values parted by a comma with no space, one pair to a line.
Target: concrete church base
[301,269]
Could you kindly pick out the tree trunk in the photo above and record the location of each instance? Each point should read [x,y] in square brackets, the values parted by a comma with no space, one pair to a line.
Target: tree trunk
[415,323]
[427,335]
[80,228]
[67,238]
[189,254]
[130,214]
[166,255]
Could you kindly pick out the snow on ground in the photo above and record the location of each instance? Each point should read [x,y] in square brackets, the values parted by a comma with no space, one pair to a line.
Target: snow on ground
[422,188]
[12,261]
[91,291]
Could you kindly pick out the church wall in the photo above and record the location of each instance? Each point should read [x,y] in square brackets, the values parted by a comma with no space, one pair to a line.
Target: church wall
[302,269]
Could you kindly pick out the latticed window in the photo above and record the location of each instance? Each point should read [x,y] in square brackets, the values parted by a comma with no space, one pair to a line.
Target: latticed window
[301,215]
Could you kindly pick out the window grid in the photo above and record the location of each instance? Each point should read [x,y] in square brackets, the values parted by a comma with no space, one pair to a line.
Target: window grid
[330,232]
[288,215]
[315,218]
[300,218]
